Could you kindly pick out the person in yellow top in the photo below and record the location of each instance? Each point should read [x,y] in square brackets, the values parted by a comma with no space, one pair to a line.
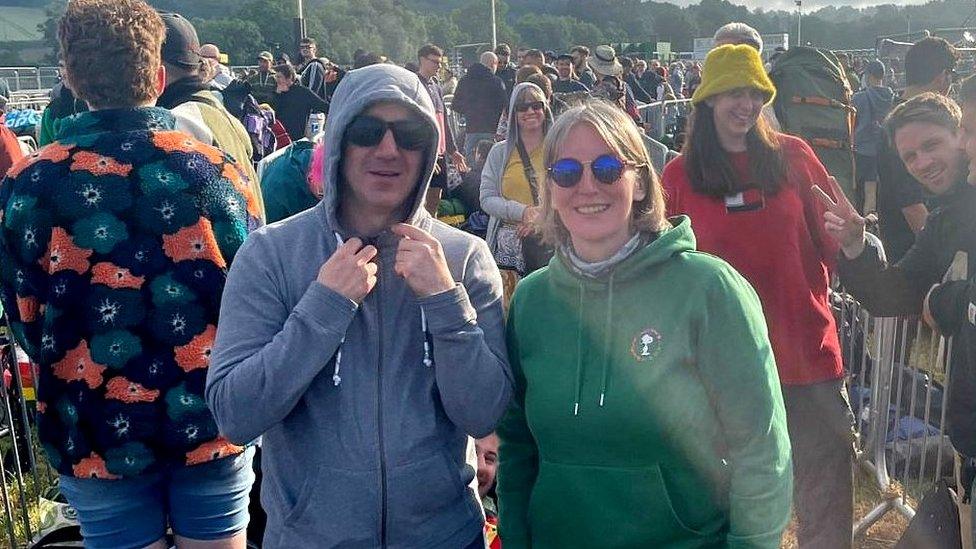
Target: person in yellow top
[510,185]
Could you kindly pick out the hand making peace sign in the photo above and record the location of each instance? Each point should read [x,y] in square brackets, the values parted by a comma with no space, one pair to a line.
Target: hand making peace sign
[841,220]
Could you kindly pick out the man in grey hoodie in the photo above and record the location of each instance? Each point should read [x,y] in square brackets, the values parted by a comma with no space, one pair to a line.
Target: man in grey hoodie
[363,341]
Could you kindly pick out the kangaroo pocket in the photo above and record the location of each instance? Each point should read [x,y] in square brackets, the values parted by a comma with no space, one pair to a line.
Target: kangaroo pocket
[428,502]
[615,507]
[335,508]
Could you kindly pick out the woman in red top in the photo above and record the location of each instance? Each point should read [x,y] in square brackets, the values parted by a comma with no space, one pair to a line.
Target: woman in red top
[748,192]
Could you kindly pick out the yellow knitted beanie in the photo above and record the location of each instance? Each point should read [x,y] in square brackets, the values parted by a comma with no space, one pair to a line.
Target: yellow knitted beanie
[731,67]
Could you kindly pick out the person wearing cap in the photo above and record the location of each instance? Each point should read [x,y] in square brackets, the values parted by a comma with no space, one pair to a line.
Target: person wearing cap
[363,341]
[566,80]
[211,56]
[115,246]
[872,104]
[263,80]
[750,193]
[190,97]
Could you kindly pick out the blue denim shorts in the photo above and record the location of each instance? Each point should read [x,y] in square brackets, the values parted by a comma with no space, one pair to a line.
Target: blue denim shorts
[202,502]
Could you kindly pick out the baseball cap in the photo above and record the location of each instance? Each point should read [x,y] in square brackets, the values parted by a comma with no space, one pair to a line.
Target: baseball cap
[181,46]
[266,55]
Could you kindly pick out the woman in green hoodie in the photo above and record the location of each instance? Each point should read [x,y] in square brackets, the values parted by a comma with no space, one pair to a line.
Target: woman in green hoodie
[647,410]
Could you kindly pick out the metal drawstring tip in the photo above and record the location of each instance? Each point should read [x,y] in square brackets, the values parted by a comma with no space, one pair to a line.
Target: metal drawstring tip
[601,400]
[336,380]
[428,362]
[576,409]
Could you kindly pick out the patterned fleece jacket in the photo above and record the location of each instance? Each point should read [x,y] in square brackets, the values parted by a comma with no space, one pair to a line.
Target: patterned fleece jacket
[115,241]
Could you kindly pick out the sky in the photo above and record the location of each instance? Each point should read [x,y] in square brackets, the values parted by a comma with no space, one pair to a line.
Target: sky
[810,5]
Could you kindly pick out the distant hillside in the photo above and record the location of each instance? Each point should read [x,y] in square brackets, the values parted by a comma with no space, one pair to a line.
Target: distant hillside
[18,24]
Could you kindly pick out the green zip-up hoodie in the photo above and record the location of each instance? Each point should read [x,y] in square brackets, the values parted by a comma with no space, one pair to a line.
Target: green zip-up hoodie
[647,410]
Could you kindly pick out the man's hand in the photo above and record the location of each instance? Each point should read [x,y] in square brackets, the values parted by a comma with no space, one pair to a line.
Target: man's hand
[420,261]
[331,75]
[460,162]
[841,220]
[350,271]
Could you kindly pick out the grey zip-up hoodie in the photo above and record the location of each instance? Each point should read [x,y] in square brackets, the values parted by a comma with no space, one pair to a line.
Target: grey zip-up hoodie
[370,453]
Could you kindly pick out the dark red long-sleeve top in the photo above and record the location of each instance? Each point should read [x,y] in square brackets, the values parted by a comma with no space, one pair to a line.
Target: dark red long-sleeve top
[778,243]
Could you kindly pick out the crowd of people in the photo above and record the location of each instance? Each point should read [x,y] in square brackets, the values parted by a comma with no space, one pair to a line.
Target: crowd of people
[638,344]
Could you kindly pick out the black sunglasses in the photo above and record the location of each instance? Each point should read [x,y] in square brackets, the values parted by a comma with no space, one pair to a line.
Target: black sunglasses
[607,169]
[534,105]
[368,131]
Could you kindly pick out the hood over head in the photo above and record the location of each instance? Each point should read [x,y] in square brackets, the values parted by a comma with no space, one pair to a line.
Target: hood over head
[513,131]
[357,92]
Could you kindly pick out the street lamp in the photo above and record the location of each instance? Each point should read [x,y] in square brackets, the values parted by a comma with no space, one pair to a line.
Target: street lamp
[799,18]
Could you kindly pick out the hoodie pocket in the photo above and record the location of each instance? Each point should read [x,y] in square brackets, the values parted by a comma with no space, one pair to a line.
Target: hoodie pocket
[590,506]
[428,500]
[335,507]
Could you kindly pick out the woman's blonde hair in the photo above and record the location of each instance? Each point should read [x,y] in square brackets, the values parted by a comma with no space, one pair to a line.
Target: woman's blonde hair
[621,135]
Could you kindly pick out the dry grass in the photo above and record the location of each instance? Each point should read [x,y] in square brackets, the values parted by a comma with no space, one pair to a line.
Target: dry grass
[882,535]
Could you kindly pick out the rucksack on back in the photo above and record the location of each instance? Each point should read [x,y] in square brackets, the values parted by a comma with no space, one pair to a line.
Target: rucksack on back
[240,103]
[813,101]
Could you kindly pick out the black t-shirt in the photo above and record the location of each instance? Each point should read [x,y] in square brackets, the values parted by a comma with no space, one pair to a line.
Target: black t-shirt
[897,189]
[293,107]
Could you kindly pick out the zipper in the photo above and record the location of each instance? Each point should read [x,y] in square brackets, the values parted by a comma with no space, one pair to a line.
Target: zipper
[379,400]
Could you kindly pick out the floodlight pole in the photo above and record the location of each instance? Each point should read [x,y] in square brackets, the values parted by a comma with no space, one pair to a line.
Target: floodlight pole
[799,20]
[299,27]
[494,27]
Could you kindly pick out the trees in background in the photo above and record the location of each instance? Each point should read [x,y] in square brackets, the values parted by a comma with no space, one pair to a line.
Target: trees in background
[397,28]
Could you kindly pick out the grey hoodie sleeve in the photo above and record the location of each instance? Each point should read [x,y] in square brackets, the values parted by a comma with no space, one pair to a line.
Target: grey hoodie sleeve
[492,201]
[470,360]
[266,355]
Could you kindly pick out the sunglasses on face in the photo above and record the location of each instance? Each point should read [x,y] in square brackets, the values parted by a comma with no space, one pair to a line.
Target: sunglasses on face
[369,131]
[607,169]
[534,105]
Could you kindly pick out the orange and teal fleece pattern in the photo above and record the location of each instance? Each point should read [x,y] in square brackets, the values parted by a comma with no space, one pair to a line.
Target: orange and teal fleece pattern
[115,242]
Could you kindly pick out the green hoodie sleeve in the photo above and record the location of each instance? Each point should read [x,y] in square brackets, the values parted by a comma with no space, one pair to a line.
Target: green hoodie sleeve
[519,456]
[739,372]
[47,133]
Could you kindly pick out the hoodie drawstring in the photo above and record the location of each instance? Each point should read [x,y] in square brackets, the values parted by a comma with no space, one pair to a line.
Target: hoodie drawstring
[579,349]
[428,358]
[606,346]
[336,378]
[607,340]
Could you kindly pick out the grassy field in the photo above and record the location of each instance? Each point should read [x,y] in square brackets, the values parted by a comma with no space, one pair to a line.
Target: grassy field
[20,24]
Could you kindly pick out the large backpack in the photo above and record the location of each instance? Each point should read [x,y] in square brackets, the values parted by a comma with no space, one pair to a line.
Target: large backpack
[813,101]
[240,103]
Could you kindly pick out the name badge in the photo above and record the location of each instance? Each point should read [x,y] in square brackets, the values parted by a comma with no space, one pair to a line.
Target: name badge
[746,201]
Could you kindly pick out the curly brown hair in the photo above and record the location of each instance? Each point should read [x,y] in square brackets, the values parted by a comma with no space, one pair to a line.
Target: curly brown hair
[111,51]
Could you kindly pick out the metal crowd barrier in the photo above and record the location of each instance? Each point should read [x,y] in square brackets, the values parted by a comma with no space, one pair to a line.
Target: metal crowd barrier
[28,99]
[661,117]
[30,78]
[898,377]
